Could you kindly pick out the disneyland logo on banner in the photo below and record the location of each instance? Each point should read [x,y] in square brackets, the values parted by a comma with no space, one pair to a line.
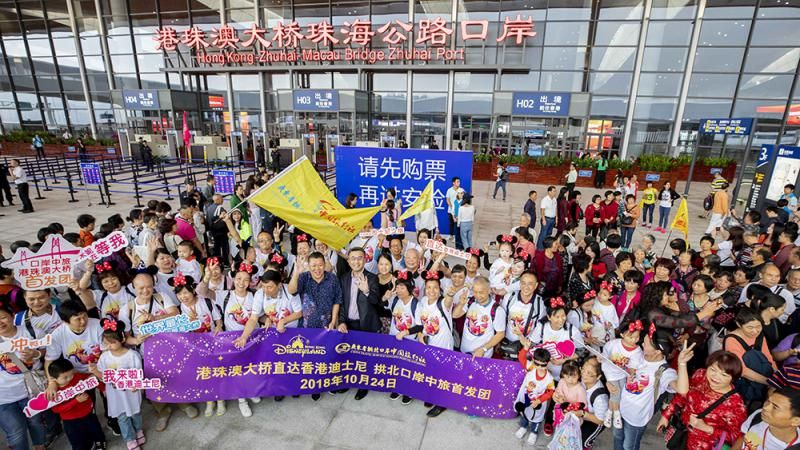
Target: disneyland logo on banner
[282,43]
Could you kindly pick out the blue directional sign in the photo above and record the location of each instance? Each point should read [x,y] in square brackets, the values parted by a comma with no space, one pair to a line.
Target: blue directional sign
[739,127]
[652,177]
[225,181]
[140,99]
[585,173]
[541,104]
[91,173]
[316,100]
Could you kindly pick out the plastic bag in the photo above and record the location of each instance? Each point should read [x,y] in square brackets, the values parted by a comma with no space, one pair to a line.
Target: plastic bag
[568,435]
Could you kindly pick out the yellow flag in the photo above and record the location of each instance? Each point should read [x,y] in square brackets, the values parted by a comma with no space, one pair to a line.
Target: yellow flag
[424,202]
[681,221]
[298,196]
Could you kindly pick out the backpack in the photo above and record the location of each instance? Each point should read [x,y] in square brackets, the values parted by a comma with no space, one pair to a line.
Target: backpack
[597,393]
[105,295]
[708,202]
[756,361]
[504,175]
[660,400]
[492,313]
[25,316]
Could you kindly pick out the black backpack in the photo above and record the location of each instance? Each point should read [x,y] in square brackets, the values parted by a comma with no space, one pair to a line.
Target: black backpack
[504,175]
[708,202]
[756,361]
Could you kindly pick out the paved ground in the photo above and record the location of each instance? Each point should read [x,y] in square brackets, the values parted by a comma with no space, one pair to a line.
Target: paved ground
[334,421]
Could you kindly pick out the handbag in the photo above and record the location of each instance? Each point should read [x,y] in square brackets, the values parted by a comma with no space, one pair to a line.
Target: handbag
[677,434]
[35,380]
[627,220]
[511,349]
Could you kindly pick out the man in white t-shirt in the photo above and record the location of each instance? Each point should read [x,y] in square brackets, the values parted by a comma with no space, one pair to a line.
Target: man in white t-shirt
[770,277]
[549,209]
[485,325]
[450,198]
[774,427]
[20,179]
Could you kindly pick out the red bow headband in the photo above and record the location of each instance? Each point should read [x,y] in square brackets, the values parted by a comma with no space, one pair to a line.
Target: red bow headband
[506,238]
[573,407]
[244,267]
[652,330]
[607,286]
[635,326]
[302,238]
[523,254]
[556,302]
[179,280]
[276,258]
[402,275]
[110,325]
[589,295]
[212,260]
[100,268]
[432,276]
[475,251]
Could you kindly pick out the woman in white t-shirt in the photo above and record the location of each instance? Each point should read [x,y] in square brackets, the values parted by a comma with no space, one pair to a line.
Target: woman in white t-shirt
[13,395]
[194,307]
[436,318]
[113,297]
[465,220]
[553,333]
[405,310]
[774,427]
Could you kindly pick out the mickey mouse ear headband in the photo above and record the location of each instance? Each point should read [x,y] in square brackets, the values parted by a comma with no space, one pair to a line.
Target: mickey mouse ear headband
[506,239]
[523,255]
[476,252]
[429,275]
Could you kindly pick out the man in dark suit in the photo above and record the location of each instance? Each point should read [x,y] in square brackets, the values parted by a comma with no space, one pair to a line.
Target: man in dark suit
[359,299]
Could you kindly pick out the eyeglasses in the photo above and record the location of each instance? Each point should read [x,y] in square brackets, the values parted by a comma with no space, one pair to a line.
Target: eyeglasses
[540,364]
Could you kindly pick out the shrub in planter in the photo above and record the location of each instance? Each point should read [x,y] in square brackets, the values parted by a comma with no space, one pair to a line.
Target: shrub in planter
[584,163]
[616,164]
[656,163]
[720,161]
[549,161]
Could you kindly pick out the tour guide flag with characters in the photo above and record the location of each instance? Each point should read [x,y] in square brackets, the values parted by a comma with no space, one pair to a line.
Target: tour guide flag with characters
[423,203]
[681,221]
[198,367]
[298,196]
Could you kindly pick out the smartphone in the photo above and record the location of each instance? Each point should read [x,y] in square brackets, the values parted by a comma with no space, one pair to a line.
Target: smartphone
[493,244]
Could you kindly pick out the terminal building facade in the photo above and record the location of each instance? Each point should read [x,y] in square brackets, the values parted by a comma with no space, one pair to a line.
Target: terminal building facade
[526,76]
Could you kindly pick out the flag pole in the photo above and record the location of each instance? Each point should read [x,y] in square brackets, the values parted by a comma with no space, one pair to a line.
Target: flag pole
[270,182]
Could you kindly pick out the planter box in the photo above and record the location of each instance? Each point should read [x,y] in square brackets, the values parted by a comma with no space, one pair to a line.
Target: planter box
[482,171]
[24,149]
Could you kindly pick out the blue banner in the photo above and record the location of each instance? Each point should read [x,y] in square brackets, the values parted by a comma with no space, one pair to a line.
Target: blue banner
[140,99]
[91,173]
[739,127]
[224,181]
[316,100]
[370,171]
[542,104]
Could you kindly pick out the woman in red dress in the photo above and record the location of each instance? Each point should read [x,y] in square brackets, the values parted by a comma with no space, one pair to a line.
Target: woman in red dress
[707,386]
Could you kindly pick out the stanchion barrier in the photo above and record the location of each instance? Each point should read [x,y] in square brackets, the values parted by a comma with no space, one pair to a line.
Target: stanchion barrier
[71,189]
[137,195]
[36,183]
[53,170]
[166,184]
[102,198]
[108,193]
[42,174]
[78,169]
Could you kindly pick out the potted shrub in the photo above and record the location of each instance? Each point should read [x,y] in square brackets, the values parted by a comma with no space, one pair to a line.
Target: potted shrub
[584,166]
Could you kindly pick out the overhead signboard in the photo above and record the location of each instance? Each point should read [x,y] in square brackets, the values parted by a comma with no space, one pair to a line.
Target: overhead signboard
[316,100]
[216,102]
[540,104]
[140,99]
[288,42]
[739,127]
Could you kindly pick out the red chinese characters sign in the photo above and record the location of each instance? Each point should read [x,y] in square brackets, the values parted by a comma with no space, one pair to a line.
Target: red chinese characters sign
[282,43]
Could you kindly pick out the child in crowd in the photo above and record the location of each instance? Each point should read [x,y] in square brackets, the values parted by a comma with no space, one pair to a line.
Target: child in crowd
[631,295]
[580,317]
[626,355]
[81,426]
[533,396]
[125,405]
[86,224]
[570,394]
[187,262]
[502,264]
[604,315]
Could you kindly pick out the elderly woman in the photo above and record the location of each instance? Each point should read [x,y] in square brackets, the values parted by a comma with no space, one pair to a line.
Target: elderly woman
[747,342]
[711,408]
[659,306]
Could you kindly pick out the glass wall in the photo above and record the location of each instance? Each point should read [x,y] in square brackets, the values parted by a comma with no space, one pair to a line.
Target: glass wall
[746,58]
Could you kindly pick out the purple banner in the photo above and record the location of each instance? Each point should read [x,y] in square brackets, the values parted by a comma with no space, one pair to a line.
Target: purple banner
[198,367]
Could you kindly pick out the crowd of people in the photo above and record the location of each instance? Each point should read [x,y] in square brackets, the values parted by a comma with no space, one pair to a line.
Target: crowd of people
[704,337]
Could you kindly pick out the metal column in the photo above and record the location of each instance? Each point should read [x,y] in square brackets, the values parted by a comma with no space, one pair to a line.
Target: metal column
[687,74]
[447,142]
[409,80]
[637,70]
[73,24]
[101,26]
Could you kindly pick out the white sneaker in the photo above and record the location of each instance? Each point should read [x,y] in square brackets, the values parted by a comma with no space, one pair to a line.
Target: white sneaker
[521,432]
[607,419]
[244,408]
[209,409]
[617,420]
[255,400]
[531,439]
[221,408]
